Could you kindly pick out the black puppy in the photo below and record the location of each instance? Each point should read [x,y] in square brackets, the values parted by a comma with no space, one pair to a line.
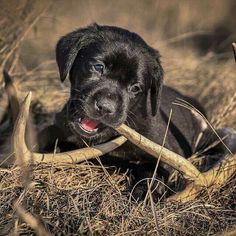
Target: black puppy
[117,78]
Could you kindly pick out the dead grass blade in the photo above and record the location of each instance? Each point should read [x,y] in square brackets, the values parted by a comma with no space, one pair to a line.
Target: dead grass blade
[32,221]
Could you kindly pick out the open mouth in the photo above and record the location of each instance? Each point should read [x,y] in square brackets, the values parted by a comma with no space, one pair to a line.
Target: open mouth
[88,125]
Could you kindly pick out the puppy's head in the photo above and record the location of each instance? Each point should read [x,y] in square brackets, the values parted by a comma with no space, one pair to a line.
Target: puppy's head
[110,70]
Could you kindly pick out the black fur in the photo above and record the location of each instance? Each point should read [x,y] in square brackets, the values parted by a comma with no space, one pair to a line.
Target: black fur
[113,97]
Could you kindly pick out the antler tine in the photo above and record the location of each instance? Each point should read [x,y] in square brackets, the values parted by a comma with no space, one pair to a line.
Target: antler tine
[215,178]
[24,155]
[176,161]
[234,50]
[21,151]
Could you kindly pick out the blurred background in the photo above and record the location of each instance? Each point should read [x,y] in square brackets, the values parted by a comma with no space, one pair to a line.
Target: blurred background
[206,25]
[193,37]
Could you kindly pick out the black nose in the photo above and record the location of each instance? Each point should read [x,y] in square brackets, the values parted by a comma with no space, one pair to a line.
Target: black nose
[105,106]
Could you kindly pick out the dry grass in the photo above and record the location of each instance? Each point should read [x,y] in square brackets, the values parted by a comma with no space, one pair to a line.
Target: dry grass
[88,199]
[82,199]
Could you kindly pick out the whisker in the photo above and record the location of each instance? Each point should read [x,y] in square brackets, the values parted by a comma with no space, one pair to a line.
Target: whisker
[132,114]
[129,117]
[76,90]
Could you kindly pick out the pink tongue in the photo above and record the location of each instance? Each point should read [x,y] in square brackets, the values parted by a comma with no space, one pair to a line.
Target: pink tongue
[88,124]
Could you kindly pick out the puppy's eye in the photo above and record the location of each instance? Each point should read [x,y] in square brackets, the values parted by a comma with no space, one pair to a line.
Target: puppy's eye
[135,88]
[99,68]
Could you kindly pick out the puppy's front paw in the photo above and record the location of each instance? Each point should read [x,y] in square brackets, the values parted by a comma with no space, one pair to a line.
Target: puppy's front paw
[140,191]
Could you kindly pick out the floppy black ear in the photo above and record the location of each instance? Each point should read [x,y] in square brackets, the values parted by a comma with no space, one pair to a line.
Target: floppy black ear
[66,51]
[156,85]
[69,46]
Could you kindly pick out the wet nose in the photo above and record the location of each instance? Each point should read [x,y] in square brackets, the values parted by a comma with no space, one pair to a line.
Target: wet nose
[105,106]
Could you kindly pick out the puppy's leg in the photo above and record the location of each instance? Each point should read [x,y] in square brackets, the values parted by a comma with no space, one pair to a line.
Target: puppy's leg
[212,149]
[232,139]
[140,174]
[143,175]
[210,139]
[229,138]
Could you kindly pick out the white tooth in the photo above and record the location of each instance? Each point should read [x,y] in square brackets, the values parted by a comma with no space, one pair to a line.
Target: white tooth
[80,119]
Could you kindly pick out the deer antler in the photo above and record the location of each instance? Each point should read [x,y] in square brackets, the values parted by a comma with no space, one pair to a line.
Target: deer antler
[176,161]
[216,176]
[24,155]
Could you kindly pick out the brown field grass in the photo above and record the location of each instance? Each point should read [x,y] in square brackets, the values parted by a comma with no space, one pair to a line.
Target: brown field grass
[86,199]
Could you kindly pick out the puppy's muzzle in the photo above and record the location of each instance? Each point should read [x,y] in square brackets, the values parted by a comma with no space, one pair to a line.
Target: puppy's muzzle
[105,105]
[100,109]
